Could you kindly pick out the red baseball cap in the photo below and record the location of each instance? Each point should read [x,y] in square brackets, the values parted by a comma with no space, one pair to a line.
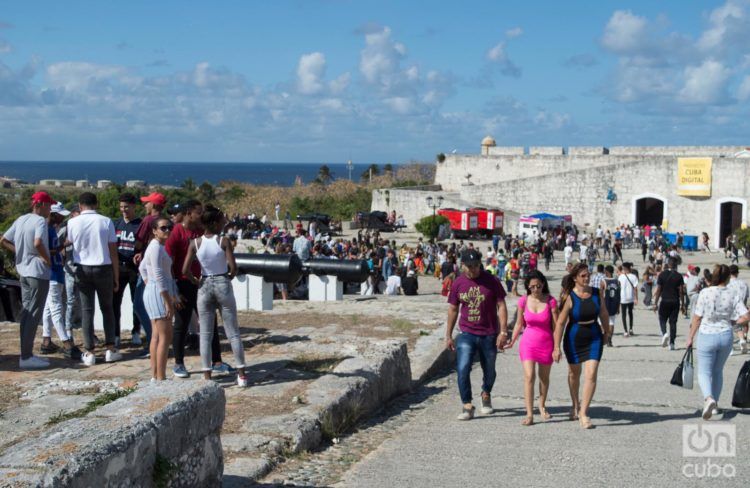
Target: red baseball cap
[155,198]
[41,197]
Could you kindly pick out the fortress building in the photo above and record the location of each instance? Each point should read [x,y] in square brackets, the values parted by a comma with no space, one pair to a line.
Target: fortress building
[691,189]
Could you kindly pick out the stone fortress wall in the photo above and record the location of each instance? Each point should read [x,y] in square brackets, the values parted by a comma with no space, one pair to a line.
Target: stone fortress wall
[577,180]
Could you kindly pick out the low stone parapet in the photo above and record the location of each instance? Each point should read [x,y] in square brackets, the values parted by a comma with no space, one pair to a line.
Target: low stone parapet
[162,434]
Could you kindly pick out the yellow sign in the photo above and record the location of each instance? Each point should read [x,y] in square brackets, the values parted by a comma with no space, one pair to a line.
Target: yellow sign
[694,177]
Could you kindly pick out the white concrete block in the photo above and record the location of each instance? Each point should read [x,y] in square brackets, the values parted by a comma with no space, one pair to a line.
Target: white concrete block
[325,289]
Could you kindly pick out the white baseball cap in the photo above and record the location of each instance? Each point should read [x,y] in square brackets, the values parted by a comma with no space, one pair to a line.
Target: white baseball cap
[59,208]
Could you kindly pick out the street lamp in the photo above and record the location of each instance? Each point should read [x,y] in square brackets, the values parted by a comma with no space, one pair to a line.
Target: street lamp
[434,205]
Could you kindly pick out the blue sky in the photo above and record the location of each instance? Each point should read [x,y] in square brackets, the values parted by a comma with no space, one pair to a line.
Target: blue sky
[386,81]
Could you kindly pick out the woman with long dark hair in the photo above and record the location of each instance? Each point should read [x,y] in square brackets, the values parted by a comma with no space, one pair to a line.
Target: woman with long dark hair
[583,323]
[537,314]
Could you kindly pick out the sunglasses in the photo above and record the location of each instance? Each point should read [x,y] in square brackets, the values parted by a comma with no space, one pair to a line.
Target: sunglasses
[535,287]
[165,228]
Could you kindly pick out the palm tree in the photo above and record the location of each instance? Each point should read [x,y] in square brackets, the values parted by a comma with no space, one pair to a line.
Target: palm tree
[324,175]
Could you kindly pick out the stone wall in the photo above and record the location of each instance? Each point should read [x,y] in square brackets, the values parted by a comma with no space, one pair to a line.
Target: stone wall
[583,194]
[508,163]
[451,174]
[166,432]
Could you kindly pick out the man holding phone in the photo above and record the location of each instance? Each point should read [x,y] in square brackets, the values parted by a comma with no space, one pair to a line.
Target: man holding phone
[479,299]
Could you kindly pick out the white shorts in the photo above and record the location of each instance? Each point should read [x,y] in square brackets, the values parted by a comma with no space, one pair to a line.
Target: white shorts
[154,302]
[612,320]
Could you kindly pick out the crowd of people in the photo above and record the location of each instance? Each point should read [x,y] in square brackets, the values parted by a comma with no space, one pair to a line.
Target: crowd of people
[580,323]
[174,265]
[178,261]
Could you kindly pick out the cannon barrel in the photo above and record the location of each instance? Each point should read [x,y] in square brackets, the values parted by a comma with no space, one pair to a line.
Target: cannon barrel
[355,270]
[274,268]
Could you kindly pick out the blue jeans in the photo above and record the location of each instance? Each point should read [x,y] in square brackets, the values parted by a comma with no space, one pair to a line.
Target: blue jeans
[466,346]
[712,352]
[140,309]
[72,303]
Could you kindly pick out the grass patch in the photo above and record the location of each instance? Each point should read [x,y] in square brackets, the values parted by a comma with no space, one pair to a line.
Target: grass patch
[97,402]
[333,426]
[315,364]
[402,325]
[163,470]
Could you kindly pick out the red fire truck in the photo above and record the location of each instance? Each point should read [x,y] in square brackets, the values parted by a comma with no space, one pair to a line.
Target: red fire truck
[490,221]
[464,223]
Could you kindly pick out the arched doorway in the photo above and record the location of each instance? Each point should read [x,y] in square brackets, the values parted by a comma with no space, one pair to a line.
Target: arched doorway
[649,211]
[730,219]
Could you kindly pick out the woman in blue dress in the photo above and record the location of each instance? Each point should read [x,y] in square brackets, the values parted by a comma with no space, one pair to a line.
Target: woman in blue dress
[585,324]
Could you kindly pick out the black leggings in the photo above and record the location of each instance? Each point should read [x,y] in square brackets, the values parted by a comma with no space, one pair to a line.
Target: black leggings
[182,321]
[627,311]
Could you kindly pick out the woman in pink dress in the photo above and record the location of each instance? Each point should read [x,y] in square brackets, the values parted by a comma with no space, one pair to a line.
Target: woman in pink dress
[537,316]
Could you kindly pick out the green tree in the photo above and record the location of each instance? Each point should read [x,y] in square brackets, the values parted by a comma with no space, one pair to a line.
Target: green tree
[324,175]
[388,168]
[188,185]
[206,192]
[371,170]
[429,226]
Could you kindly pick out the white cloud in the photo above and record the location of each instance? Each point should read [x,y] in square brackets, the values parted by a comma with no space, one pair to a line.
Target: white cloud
[743,93]
[5,46]
[514,32]
[499,57]
[400,105]
[705,83]
[727,22]
[83,76]
[340,84]
[381,57]
[625,32]
[310,73]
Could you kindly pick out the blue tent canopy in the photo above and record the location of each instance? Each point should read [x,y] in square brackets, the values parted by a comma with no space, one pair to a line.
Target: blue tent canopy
[546,216]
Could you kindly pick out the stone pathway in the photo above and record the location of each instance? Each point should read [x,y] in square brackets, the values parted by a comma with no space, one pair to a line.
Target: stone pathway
[638,437]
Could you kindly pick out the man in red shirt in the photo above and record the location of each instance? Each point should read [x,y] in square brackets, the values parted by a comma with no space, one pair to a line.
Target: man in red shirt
[177,247]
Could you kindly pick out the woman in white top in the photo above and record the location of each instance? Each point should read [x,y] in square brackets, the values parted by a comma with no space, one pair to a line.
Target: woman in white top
[218,267]
[717,307]
[159,296]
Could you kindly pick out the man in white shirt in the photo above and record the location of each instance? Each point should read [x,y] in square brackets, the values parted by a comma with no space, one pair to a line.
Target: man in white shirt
[568,253]
[98,273]
[393,284]
[583,250]
[28,239]
[628,296]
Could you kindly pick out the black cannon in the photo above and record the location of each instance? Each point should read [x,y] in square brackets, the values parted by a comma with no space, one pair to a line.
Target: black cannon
[353,271]
[375,221]
[274,268]
[10,299]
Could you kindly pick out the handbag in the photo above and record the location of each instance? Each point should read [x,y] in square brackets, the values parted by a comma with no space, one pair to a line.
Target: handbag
[683,374]
[741,397]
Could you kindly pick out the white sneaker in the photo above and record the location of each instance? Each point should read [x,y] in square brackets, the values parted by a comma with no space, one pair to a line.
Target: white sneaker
[665,340]
[136,340]
[486,408]
[625,334]
[88,359]
[242,381]
[466,414]
[112,355]
[708,408]
[743,346]
[33,362]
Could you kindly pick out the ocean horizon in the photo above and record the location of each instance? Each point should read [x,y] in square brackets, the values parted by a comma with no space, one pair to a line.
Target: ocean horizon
[174,173]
